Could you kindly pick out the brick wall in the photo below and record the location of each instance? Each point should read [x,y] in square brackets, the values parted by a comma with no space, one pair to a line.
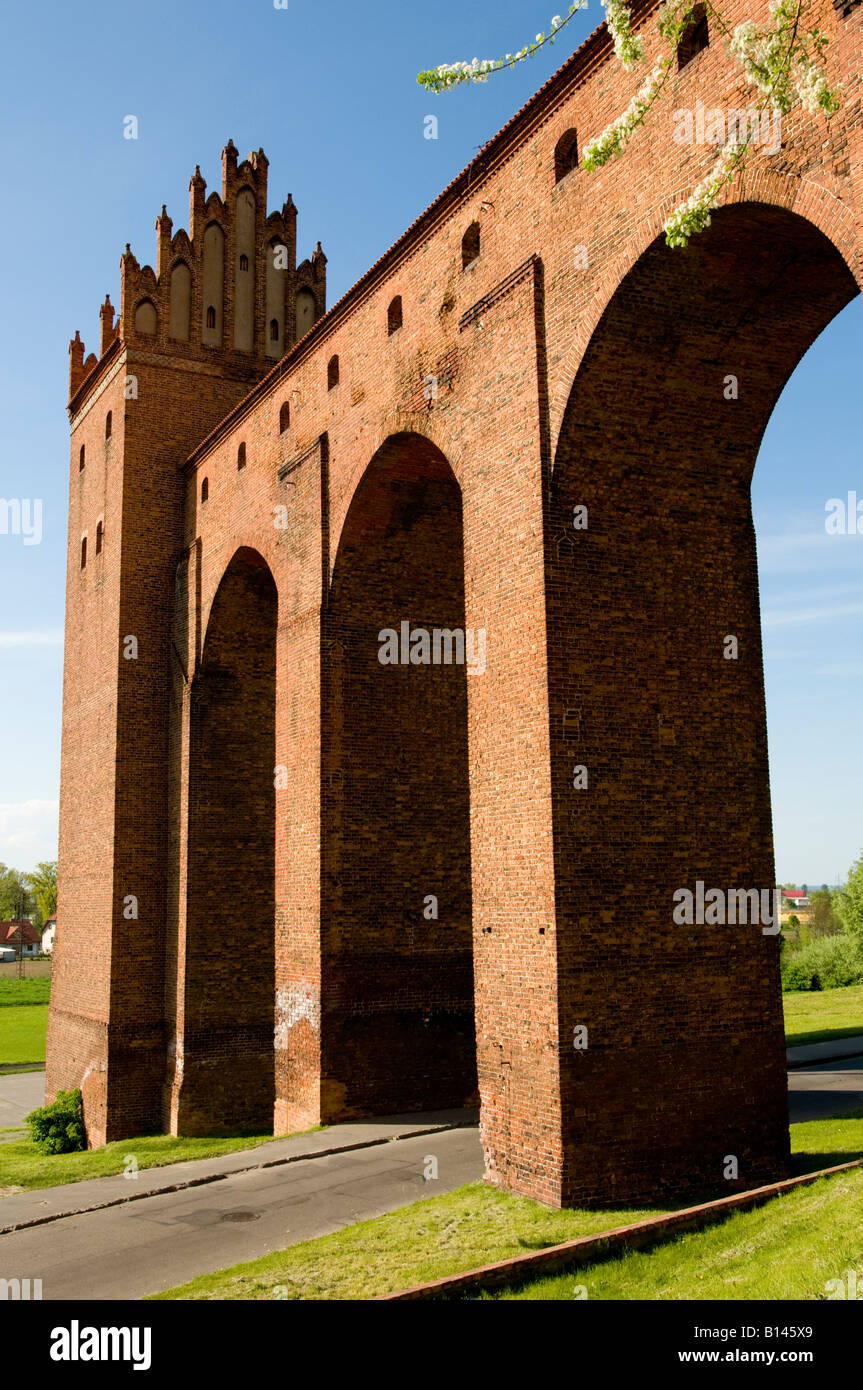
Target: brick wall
[558,381]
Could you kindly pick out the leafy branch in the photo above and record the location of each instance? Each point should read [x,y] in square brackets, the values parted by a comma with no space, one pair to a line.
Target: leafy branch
[448,75]
[782,63]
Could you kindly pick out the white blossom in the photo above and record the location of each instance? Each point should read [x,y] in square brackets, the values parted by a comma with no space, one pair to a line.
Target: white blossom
[615,137]
[628,48]
[693,216]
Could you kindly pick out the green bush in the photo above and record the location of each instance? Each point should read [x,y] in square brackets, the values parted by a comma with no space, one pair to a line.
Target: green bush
[59,1128]
[794,977]
[825,963]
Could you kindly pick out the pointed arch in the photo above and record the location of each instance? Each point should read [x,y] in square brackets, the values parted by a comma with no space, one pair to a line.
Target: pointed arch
[229,968]
[397,985]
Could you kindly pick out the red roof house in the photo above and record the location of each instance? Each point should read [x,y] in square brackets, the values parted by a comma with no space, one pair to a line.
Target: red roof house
[21,936]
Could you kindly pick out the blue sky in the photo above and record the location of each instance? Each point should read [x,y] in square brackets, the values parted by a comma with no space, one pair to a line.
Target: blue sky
[330,93]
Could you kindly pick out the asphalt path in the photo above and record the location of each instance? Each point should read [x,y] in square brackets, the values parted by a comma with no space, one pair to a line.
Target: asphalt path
[20,1092]
[143,1247]
[828,1088]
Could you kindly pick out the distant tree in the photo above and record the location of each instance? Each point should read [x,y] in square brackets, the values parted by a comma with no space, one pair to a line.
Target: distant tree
[42,883]
[850,903]
[15,897]
[822,922]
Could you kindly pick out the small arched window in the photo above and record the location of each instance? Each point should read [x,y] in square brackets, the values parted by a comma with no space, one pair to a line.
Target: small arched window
[211,317]
[81,460]
[274,330]
[99,533]
[470,246]
[332,373]
[244,262]
[205,489]
[284,417]
[694,38]
[146,319]
[565,155]
[108,425]
[83,551]
[241,456]
[394,315]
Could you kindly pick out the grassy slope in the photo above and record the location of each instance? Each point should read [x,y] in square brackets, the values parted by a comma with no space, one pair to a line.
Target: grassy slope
[472,1226]
[23,1168]
[820,1015]
[788,1248]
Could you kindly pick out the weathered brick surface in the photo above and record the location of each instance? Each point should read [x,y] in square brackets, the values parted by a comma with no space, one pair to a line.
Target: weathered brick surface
[557,384]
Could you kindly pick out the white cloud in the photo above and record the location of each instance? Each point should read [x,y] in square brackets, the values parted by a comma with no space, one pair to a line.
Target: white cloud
[32,639]
[801,616]
[28,832]
[841,668]
[809,551]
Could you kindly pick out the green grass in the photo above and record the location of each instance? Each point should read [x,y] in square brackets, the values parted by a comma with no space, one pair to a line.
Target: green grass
[22,1033]
[27,991]
[788,1248]
[23,1168]
[425,1240]
[475,1225]
[820,1015]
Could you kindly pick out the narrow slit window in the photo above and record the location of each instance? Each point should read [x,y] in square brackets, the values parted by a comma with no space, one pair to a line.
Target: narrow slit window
[205,489]
[394,315]
[694,39]
[211,317]
[284,417]
[565,155]
[99,533]
[81,460]
[332,373]
[241,456]
[108,425]
[470,246]
[83,552]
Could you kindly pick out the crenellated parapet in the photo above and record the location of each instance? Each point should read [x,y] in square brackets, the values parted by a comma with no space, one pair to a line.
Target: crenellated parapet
[227,290]
[311,291]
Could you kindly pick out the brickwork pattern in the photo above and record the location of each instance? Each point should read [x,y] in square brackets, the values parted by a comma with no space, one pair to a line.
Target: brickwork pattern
[438,477]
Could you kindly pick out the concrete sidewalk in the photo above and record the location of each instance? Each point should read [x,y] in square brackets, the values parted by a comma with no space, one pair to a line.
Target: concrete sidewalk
[831,1051]
[23,1209]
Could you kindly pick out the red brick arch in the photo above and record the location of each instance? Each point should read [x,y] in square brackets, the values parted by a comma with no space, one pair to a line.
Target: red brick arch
[673,388]
[397,1024]
[224,1065]
[800,195]
[427,426]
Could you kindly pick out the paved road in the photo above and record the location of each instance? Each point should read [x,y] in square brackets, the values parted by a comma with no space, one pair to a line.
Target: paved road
[20,1092]
[830,1088]
[145,1246]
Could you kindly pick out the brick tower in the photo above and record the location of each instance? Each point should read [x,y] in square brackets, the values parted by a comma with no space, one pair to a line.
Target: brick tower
[225,302]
